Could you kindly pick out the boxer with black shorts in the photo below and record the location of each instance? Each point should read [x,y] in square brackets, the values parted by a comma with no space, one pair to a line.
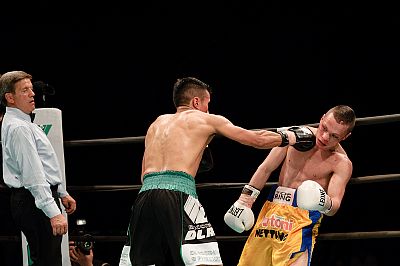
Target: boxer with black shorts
[312,182]
[168,224]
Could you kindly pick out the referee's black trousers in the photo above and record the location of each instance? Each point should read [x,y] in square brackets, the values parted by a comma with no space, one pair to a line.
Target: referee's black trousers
[44,247]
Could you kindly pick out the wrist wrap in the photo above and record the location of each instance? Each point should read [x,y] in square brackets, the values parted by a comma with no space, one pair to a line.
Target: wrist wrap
[251,191]
[285,138]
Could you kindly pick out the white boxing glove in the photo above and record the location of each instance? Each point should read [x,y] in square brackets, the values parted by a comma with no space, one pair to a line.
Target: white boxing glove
[311,196]
[240,217]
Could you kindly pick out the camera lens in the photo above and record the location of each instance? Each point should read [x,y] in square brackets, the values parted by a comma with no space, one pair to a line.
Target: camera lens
[86,241]
[85,245]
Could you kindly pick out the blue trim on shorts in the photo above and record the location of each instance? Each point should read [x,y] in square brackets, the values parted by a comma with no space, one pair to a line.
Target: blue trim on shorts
[171,180]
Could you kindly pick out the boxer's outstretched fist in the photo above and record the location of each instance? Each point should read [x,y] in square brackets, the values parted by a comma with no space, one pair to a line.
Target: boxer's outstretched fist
[305,138]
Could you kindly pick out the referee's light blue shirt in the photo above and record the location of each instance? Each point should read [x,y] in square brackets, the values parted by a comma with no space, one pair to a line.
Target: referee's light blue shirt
[29,160]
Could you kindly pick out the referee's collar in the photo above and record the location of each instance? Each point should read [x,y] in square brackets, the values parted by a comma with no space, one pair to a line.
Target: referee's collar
[17,112]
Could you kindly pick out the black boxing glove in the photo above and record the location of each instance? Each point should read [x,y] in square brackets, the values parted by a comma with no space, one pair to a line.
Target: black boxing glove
[282,131]
[207,162]
[305,138]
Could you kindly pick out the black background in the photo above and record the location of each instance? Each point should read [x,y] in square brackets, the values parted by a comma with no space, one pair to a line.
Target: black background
[270,64]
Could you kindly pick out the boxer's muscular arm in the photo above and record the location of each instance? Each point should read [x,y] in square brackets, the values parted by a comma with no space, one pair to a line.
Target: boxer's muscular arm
[264,170]
[240,217]
[337,184]
[260,139]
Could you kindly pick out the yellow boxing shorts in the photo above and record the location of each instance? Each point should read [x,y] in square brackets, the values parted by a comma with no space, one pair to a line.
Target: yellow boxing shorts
[282,231]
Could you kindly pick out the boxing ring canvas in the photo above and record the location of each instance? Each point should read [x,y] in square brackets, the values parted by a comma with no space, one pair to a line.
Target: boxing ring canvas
[50,121]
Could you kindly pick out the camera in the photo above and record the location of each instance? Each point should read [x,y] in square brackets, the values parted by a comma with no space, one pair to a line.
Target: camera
[85,242]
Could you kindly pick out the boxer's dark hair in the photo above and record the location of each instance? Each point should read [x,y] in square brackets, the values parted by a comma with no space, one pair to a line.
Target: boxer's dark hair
[187,88]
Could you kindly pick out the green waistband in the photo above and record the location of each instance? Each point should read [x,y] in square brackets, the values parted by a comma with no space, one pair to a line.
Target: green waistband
[171,180]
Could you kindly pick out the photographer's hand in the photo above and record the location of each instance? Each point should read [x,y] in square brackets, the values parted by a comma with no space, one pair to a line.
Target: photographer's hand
[78,257]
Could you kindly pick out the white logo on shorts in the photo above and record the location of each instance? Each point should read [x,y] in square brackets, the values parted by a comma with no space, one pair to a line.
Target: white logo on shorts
[284,195]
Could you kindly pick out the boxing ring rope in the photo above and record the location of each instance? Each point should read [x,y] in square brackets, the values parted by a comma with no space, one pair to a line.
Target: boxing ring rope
[110,188]
[322,236]
[372,120]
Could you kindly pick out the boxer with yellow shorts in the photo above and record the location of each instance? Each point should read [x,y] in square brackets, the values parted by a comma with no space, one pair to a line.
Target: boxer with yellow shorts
[283,230]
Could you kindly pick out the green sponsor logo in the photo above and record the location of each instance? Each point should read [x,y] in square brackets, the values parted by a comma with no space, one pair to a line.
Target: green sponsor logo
[45,128]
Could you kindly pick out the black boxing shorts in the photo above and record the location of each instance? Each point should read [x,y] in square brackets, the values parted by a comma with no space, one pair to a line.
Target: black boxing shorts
[169,225]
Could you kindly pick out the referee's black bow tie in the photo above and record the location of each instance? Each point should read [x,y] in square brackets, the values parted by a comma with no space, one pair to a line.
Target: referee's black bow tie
[32,115]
